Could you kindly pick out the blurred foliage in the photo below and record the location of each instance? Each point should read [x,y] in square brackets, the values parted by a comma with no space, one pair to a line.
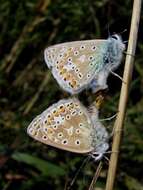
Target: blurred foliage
[27,88]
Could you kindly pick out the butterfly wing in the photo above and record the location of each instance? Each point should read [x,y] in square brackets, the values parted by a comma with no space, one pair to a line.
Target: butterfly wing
[65,125]
[75,64]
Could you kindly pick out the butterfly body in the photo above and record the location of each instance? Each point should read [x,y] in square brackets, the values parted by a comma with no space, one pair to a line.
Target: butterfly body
[75,65]
[69,126]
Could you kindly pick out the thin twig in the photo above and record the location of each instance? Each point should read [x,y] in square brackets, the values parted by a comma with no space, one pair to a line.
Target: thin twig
[96,175]
[78,171]
[47,78]
[22,76]
[124,94]
[11,58]
[36,96]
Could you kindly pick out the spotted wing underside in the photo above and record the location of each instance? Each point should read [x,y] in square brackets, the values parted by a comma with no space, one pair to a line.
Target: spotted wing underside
[75,64]
[65,125]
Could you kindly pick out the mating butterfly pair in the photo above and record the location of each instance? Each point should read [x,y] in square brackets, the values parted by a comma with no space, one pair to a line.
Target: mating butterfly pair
[77,65]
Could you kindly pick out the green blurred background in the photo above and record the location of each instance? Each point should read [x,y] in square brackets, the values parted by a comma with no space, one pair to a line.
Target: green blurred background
[27,88]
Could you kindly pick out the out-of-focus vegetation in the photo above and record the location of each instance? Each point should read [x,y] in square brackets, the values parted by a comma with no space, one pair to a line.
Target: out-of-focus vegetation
[27,88]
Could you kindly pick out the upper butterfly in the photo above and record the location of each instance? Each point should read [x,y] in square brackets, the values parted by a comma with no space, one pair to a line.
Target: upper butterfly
[81,64]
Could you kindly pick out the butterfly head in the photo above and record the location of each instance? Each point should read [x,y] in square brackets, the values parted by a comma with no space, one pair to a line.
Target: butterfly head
[117,39]
[100,151]
[113,55]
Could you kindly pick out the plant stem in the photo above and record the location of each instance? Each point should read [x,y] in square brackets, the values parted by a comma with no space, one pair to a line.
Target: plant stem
[118,126]
[95,177]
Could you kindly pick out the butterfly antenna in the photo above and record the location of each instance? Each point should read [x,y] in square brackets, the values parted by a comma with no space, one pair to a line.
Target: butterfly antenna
[108,30]
[78,171]
[125,41]
[96,175]
[125,30]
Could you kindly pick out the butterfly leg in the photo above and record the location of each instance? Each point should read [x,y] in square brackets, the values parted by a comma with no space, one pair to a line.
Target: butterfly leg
[115,74]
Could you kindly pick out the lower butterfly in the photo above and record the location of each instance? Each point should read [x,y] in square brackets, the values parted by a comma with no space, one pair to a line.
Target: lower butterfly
[68,125]
[82,64]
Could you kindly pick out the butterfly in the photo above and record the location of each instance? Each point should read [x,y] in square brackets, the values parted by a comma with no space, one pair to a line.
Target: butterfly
[70,126]
[84,64]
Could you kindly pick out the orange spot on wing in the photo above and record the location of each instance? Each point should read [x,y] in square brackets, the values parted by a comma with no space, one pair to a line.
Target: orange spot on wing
[62,71]
[73,83]
[62,109]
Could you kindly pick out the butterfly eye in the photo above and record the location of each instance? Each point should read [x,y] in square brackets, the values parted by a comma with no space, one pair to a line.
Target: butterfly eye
[115,37]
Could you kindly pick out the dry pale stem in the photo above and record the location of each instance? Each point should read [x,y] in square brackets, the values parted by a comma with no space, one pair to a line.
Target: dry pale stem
[96,175]
[124,94]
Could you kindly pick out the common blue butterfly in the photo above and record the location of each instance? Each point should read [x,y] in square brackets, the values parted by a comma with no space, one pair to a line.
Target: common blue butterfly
[81,64]
[68,125]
